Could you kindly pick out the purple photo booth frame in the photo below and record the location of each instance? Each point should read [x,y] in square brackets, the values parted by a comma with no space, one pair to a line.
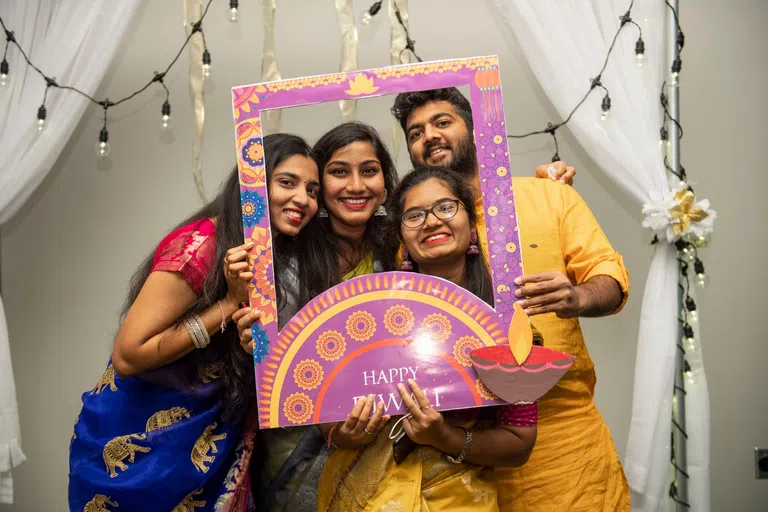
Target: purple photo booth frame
[367,334]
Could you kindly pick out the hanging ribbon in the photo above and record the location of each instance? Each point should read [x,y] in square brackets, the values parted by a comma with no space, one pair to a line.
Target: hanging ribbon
[270,119]
[193,10]
[348,52]
[397,43]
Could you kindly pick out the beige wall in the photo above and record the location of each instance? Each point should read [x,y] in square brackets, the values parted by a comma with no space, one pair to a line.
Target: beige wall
[67,256]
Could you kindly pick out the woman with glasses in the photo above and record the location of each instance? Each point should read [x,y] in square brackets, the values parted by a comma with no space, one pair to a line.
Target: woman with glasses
[451,468]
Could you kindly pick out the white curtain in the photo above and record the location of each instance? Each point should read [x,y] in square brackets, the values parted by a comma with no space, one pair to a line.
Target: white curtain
[73,41]
[565,43]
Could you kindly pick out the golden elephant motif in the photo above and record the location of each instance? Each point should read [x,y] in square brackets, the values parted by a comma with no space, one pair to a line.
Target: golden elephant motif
[207,441]
[99,504]
[166,418]
[108,379]
[189,504]
[211,372]
[120,448]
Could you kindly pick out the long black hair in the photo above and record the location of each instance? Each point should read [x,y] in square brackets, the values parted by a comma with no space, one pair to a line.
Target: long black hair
[326,243]
[477,279]
[237,370]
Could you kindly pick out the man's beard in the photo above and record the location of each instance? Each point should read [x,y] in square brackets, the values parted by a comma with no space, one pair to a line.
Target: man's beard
[463,158]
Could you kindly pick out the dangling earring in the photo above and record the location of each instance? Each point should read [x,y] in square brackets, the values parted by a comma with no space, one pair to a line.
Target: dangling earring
[473,249]
[407,264]
[381,211]
[322,212]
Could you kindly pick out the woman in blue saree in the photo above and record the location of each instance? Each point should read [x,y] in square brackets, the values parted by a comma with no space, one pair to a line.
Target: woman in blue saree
[167,426]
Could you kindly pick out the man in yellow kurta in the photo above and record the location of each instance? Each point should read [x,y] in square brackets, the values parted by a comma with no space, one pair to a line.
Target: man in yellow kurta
[571,270]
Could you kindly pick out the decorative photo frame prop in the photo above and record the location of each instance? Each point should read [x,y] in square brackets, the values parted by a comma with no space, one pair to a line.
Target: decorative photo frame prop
[366,335]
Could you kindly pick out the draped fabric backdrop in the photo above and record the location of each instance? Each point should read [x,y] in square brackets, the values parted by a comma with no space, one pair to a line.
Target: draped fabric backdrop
[565,44]
[75,42]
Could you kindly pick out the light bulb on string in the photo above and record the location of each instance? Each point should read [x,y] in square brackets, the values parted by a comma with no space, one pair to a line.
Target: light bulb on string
[701,276]
[41,115]
[687,255]
[206,63]
[701,242]
[605,107]
[688,373]
[677,66]
[5,70]
[368,15]
[664,143]
[640,52]
[689,339]
[166,116]
[233,12]
[102,147]
[693,314]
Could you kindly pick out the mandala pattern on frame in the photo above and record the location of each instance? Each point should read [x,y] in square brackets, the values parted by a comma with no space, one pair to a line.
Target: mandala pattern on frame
[463,347]
[484,391]
[361,325]
[263,294]
[308,374]
[399,320]
[298,408]
[253,207]
[438,326]
[331,345]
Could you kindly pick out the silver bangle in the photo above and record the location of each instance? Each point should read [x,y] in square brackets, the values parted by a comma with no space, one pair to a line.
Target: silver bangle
[205,338]
[197,331]
[467,444]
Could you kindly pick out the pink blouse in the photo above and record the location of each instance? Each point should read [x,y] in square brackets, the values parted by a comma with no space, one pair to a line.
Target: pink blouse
[189,250]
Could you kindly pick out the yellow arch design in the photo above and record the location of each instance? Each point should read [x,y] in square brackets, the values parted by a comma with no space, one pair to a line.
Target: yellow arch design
[354,301]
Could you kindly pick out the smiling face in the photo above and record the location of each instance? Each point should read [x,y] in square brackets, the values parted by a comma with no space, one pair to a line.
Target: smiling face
[438,136]
[353,186]
[293,193]
[436,242]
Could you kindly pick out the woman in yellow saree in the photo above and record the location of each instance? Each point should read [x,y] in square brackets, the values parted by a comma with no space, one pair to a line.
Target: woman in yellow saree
[452,465]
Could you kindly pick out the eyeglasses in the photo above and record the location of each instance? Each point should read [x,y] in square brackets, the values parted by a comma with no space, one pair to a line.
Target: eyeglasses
[443,210]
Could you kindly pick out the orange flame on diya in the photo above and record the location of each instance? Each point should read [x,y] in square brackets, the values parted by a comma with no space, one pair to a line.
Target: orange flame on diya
[520,335]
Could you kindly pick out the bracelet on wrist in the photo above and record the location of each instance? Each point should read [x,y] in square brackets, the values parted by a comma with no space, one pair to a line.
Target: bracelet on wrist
[467,444]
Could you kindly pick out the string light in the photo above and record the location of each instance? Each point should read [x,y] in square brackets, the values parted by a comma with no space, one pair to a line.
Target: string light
[688,373]
[233,12]
[664,143]
[701,277]
[640,52]
[368,15]
[606,106]
[41,114]
[206,63]
[688,337]
[677,66]
[103,148]
[701,242]
[5,70]
[639,44]
[595,82]
[166,116]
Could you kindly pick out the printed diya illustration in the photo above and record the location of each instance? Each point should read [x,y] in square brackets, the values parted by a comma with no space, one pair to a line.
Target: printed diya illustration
[367,334]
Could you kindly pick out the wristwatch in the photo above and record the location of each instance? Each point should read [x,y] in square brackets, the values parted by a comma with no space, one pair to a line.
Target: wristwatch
[467,444]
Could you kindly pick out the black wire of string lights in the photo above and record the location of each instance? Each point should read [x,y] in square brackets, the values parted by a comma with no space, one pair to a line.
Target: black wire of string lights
[373,10]
[103,148]
[596,82]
